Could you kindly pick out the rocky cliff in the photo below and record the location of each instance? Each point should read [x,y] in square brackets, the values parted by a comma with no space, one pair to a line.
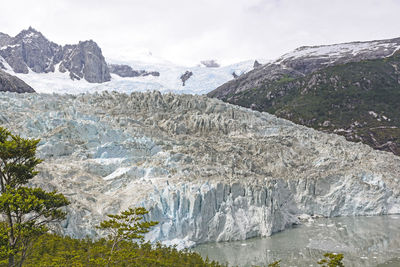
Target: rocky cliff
[206,170]
[9,83]
[85,60]
[31,51]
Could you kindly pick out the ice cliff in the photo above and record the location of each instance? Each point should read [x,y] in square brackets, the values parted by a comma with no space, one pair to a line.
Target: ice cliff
[206,170]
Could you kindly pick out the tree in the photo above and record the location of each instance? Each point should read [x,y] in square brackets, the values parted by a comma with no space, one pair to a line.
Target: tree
[25,211]
[332,260]
[126,226]
[275,264]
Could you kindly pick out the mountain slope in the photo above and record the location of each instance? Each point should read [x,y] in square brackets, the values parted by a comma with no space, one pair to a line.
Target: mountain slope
[306,60]
[9,83]
[359,100]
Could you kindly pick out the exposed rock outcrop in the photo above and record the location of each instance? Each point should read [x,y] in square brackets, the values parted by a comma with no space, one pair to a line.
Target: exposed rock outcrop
[184,77]
[9,83]
[5,39]
[210,63]
[256,64]
[206,170]
[127,71]
[85,60]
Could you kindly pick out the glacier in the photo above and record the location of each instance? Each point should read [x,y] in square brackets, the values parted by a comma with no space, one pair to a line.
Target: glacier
[206,170]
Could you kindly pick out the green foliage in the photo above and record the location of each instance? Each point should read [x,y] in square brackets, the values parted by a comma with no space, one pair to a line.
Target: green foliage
[275,264]
[27,211]
[332,260]
[285,79]
[54,250]
[127,226]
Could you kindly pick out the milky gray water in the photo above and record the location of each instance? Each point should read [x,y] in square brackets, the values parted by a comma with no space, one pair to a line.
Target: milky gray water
[364,241]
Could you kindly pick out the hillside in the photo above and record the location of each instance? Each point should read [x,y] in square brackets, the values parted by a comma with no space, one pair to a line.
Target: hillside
[10,83]
[359,100]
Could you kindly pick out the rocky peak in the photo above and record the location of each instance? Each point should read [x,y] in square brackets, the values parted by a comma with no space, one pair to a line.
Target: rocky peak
[85,60]
[29,35]
[31,50]
[256,64]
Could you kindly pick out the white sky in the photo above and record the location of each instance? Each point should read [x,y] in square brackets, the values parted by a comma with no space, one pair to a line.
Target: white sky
[187,31]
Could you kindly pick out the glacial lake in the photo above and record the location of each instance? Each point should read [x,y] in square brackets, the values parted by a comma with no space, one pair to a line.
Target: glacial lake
[364,241]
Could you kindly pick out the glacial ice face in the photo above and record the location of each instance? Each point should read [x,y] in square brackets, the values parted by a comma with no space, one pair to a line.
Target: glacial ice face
[206,170]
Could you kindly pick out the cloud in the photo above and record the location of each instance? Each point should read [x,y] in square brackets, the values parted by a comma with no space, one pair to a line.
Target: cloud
[189,31]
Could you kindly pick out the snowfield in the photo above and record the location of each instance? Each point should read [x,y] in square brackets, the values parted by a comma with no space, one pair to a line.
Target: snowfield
[203,80]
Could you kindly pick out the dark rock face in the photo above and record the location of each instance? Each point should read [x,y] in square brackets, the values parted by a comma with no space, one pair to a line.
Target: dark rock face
[210,63]
[234,75]
[147,73]
[5,39]
[184,77]
[9,83]
[256,64]
[31,50]
[85,60]
[127,71]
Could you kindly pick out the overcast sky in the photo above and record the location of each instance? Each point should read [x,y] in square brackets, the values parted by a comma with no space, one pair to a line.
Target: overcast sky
[186,31]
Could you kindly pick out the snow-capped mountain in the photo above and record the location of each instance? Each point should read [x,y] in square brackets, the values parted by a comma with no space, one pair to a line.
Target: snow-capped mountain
[29,51]
[308,59]
[49,67]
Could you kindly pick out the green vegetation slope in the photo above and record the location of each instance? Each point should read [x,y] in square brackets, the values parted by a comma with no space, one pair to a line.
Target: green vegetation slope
[360,100]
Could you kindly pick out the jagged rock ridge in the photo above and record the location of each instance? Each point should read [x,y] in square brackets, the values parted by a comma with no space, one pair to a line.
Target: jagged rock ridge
[206,170]
[30,50]
[85,60]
